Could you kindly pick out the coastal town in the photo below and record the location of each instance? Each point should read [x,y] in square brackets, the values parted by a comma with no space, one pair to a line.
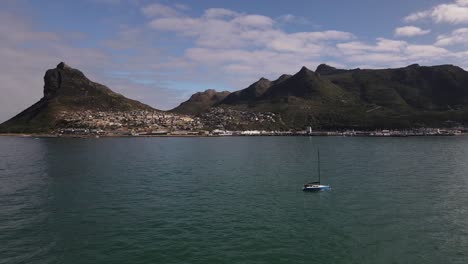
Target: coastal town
[157,123]
[218,133]
[216,122]
[126,123]
[231,119]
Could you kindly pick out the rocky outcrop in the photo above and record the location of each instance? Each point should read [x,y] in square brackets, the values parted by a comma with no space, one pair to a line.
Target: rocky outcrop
[68,90]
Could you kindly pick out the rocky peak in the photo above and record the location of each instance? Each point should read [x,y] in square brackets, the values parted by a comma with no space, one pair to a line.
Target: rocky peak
[413,66]
[258,88]
[63,76]
[210,92]
[63,66]
[263,82]
[324,69]
[306,73]
[207,95]
[304,69]
[282,78]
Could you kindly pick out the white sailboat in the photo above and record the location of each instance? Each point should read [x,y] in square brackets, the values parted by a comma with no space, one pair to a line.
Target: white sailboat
[316,186]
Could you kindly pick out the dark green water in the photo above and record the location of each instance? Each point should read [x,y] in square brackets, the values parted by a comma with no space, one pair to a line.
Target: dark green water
[233,200]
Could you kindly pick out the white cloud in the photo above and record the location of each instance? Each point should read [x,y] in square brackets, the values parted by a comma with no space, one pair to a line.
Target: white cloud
[292,19]
[254,21]
[389,45]
[458,36]
[174,24]
[241,51]
[159,10]
[287,18]
[382,45]
[410,31]
[453,13]
[238,48]
[425,51]
[462,2]
[182,7]
[417,16]
[311,43]
[391,53]
[223,28]
[219,13]
[241,67]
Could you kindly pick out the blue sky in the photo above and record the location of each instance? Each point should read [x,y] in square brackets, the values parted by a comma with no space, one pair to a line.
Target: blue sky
[160,52]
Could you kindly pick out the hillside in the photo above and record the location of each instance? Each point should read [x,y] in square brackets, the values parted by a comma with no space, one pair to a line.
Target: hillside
[66,91]
[200,102]
[332,98]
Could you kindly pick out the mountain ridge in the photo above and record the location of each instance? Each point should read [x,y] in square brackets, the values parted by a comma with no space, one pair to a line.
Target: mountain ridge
[331,98]
[327,98]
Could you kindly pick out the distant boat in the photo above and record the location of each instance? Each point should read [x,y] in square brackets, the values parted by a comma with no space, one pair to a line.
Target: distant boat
[316,186]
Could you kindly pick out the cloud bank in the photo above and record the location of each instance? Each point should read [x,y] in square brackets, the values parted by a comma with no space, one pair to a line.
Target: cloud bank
[453,13]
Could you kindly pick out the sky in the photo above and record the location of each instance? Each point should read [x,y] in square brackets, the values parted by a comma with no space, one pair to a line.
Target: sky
[161,52]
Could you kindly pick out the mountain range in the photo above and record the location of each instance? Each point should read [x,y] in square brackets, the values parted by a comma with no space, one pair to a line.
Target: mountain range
[327,98]
[332,98]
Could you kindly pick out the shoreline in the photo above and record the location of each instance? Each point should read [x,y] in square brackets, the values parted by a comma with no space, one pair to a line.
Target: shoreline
[94,136]
[214,136]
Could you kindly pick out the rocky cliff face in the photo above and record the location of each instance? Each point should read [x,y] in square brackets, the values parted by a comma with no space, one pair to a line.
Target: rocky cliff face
[68,90]
[53,81]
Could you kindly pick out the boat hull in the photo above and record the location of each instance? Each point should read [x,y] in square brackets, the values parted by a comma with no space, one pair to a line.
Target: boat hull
[316,188]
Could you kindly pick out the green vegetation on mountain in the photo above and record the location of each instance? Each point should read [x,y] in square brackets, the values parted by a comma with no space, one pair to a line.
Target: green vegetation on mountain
[328,98]
[200,102]
[332,98]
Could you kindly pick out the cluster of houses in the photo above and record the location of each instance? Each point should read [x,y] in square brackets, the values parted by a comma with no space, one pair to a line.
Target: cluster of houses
[138,122]
[220,118]
[221,132]
[217,122]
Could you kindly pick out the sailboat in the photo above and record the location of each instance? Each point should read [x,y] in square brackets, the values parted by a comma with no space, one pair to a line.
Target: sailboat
[316,186]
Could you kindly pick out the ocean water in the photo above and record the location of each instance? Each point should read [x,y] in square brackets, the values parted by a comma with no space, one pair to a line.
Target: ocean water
[233,200]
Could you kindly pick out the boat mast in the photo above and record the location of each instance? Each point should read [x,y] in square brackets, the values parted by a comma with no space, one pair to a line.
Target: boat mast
[318,163]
